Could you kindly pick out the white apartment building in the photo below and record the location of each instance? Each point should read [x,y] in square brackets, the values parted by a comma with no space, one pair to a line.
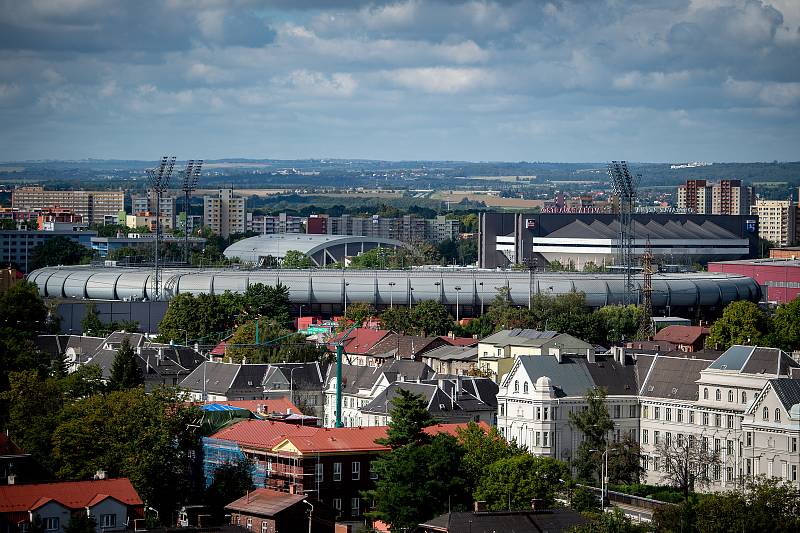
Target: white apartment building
[776,220]
[92,206]
[743,403]
[224,213]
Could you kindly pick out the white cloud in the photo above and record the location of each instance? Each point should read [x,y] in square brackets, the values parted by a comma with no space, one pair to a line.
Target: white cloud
[443,80]
[337,84]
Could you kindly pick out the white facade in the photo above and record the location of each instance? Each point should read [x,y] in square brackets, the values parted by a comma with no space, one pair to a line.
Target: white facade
[224,213]
[776,220]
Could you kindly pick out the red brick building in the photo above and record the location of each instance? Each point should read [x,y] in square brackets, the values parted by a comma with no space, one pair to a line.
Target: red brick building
[269,511]
[779,279]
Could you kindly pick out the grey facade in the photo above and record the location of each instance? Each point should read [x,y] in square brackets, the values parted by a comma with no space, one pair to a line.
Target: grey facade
[325,291]
[16,245]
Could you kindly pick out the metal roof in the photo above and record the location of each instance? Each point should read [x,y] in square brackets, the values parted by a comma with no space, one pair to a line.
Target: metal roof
[276,245]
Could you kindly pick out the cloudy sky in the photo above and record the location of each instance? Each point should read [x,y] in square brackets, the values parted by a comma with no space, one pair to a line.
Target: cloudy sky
[558,80]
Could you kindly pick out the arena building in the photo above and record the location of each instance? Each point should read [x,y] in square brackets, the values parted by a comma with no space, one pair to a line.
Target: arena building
[321,249]
[467,292]
[580,238]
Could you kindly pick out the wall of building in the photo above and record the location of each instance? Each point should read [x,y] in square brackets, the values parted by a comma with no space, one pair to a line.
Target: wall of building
[779,280]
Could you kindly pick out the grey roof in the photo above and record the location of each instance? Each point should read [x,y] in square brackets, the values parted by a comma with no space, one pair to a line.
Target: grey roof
[755,360]
[439,396]
[550,521]
[453,353]
[671,376]
[276,245]
[299,376]
[574,375]
[517,335]
[52,345]
[218,377]
[617,379]
[355,377]
[673,229]
[86,344]
[787,390]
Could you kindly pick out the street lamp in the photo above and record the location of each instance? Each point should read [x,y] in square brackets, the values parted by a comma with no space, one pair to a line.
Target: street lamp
[391,294]
[346,284]
[438,289]
[481,285]
[458,291]
[410,295]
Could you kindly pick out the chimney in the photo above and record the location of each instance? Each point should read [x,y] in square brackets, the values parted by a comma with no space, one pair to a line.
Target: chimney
[244,360]
[590,356]
[557,353]
[100,474]
[11,479]
[537,504]
[480,506]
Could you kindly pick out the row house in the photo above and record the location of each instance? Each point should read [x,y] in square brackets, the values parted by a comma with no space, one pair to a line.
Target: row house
[452,359]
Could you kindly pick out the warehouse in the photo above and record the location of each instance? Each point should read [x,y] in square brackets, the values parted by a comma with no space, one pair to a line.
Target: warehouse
[580,238]
[325,291]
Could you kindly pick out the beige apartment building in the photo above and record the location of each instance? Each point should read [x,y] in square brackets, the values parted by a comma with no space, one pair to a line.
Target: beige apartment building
[92,206]
[224,213]
[777,221]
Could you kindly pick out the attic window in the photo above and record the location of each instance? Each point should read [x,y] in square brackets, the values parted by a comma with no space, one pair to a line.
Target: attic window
[650,388]
[249,383]
[674,390]
[723,367]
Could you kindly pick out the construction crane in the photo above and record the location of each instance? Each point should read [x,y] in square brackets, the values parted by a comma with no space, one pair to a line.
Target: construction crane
[646,323]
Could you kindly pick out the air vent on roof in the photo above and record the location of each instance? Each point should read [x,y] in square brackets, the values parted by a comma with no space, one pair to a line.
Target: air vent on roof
[650,388]
[674,390]
[723,367]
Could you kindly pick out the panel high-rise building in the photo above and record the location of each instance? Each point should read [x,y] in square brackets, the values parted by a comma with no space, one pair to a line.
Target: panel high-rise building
[777,221]
[728,197]
[224,213]
[92,206]
[146,203]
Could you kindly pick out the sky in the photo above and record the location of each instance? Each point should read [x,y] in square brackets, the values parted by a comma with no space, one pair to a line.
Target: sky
[476,80]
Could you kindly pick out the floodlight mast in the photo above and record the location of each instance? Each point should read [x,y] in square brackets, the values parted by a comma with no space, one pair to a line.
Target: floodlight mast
[159,178]
[625,184]
[191,175]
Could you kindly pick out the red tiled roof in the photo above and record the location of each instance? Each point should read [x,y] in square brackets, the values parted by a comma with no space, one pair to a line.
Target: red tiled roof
[7,447]
[70,494]
[219,349]
[276,405]
[460,341]
[265,435]
[681,334]
[360,340]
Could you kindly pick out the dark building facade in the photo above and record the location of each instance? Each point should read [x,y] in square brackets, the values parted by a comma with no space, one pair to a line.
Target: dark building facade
[580,238]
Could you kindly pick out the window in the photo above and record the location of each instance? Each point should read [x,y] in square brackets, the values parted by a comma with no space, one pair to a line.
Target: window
[730,396]
[668,438]
[337,504]
[691,440]
[501,409]
[373,474]
[691,416]
[705,444]
[765,414]
[250,523]
[668,414]
[730,421]
[656,435]
[525,387]
[657,413]
[717,445]
[744,397]
[318,472]
[679,412]
[546,413]
[705,419]
[356,470]
[51,524]
[717,472]
[337,471]
[718,420]
[632,411]
[545,435]
[718,395]
[729,473]
[777,415]
[794,444]
[749,438]
[108,520]
[536,438]
[729,447]
[516,386]
[644,437]
[355,506]
[538,413]
[645,411]
[264,526]
[705,393]
[794,472]
[617,411]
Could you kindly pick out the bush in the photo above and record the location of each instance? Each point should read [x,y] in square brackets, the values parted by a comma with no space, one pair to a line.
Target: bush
[583,500]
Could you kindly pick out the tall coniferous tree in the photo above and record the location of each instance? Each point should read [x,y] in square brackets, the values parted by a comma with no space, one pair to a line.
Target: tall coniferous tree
[125,370]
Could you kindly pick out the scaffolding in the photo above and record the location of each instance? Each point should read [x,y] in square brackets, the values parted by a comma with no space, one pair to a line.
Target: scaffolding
[219,452]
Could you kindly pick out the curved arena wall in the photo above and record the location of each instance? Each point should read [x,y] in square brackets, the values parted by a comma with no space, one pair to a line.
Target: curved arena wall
[467,288]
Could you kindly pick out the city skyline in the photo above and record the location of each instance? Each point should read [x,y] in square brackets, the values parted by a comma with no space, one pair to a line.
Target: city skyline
[707,80]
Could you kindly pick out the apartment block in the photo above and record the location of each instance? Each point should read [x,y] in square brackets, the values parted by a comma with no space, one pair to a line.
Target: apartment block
[408,228]
[141,203]
[91,206]
[224,213]
[728,197]
[273,224]
[777,221]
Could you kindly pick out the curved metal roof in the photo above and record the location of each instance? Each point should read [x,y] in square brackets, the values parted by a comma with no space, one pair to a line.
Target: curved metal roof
[466,287]
[252,249]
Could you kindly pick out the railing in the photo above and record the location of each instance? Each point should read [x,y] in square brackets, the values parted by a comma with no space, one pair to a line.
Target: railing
[630,499]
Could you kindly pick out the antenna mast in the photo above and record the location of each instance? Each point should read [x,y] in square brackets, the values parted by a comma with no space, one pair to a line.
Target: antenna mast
[624,185]
[159,178]
[190,175]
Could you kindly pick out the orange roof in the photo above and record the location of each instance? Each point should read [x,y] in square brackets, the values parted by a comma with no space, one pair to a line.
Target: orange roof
[70,494]
[360,340]
[276,405]
[459,341]
[681,334]
[260,434]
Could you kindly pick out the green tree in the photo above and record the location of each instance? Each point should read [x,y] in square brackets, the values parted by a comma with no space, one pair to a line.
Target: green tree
[611,522]
[742,322]
[625,461]
[417,482]
[85,381]
[595,423]
[786,324]
[398,319]
[583,500]
[620,321]
[410,416]
[295,259]
[513,481]
[482,448]
[91,323]
[202,316]
[268,301]
[145,437]
[359,312]
[277,344]
[125,370]
[22,309]
[81,522]
[431,318]
[58,250]
[230,482]
[468,251]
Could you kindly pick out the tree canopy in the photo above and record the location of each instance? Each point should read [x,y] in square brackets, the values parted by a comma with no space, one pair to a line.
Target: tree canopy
[410,416]
[595,423]
[511,482]
[742,322]
[125,370]
[58,250]
[295,259]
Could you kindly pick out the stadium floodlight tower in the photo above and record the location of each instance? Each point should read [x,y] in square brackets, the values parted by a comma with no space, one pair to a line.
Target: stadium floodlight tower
[625,184]
[158,178]
[190,175]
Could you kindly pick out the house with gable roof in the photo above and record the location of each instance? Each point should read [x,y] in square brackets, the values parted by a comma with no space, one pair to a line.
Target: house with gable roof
[113,503]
